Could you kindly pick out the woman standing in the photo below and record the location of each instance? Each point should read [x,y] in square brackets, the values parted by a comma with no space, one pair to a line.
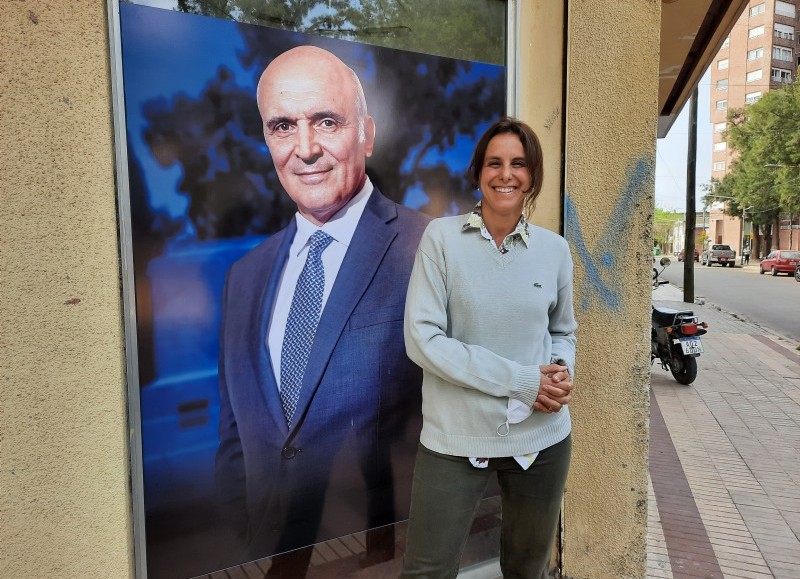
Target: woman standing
[489,319]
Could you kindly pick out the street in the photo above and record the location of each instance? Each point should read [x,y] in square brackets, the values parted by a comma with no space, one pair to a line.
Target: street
[769,301]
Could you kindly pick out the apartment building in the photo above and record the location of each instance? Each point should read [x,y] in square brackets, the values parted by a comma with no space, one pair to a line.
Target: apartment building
[760,54]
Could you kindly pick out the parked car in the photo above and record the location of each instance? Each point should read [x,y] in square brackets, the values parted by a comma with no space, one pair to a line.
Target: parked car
[682,255]
[718,253]
[780,261]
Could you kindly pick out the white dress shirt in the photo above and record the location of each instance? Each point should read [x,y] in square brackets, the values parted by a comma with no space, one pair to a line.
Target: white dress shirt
[341,228]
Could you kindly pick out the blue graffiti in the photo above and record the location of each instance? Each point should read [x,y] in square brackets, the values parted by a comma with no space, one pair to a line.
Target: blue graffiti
[603,278]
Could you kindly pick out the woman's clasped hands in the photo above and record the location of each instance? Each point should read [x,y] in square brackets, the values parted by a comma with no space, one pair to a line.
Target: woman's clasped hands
[555,388]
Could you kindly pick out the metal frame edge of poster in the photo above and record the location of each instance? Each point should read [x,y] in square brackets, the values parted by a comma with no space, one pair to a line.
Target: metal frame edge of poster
[134,416]
[564,133]
[133,402]
[512,57]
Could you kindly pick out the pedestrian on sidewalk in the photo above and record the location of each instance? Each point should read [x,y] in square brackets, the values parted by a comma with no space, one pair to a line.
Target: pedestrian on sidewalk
[489,318]
[746,256]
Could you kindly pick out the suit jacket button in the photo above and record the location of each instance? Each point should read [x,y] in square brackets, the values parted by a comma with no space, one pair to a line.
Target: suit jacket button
[289,452]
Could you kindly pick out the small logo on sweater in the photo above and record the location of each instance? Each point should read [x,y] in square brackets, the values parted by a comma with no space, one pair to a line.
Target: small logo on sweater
[537,284]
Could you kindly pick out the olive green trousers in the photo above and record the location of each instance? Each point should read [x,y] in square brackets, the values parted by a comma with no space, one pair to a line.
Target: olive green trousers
[445,495]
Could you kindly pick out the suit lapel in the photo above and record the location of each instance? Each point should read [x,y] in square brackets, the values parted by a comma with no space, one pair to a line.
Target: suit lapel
[371,240]
[272,273]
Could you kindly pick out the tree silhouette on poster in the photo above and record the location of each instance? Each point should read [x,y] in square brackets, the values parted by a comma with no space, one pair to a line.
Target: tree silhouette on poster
[227,174]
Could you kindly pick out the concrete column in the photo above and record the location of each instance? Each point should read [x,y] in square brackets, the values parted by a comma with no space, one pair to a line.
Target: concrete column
[611,112]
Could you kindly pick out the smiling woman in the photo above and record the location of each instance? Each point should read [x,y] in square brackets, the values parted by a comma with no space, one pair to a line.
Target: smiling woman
[497,372]
[505,181]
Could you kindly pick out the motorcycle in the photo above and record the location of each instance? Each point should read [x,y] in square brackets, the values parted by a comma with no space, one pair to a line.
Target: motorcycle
[675,336]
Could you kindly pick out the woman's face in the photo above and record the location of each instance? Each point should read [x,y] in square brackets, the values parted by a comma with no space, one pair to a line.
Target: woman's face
[505,177]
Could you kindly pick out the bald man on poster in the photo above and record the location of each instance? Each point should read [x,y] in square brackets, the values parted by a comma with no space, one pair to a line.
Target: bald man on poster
[310,437]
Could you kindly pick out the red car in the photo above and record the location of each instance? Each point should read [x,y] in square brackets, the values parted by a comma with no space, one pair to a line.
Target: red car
[780,261]
[682,255]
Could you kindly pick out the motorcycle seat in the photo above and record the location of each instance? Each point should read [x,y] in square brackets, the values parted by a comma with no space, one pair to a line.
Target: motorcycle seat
[667,316]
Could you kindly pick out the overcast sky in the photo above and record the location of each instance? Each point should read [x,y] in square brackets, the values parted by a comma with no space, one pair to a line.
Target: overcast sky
[672,151]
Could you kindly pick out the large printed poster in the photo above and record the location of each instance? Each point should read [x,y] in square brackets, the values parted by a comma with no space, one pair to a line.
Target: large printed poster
[237,465]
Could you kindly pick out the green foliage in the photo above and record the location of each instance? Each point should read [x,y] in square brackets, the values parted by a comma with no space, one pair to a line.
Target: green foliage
[765,177]
[663,223]
[216,137]
[453,28]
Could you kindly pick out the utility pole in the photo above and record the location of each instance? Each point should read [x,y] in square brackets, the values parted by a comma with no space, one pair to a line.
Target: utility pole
[691,215]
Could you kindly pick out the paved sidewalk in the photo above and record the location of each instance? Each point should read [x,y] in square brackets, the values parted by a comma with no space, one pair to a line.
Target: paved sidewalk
[725,456]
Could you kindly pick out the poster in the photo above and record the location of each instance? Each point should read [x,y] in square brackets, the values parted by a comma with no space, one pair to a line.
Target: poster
[203,193]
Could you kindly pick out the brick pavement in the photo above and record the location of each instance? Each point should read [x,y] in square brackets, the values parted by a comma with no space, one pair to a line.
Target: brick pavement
[736,437]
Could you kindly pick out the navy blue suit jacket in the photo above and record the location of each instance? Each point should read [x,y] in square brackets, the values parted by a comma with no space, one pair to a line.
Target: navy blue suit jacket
[346,464]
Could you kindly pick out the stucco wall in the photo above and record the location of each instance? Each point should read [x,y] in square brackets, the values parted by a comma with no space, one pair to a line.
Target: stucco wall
[63,454]
[541,99]
[610,158]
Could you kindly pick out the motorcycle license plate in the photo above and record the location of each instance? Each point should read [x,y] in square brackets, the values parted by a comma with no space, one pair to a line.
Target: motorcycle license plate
[691,346]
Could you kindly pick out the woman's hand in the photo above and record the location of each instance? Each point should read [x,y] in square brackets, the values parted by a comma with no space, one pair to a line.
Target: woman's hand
[555,388]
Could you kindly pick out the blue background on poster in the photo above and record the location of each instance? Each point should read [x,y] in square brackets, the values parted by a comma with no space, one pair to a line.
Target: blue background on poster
[203,192]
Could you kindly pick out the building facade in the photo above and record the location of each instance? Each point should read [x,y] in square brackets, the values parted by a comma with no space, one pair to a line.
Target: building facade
[760,54]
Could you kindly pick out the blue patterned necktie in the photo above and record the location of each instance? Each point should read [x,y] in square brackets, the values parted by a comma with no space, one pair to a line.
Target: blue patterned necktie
[301,326]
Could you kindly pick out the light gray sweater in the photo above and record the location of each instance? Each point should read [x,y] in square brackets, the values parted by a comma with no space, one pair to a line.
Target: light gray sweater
[480,323]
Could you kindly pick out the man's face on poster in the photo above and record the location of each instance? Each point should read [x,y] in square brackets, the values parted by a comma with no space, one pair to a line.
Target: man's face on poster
[316,128]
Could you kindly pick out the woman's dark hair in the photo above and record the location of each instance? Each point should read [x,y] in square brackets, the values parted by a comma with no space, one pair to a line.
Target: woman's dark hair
[533,155]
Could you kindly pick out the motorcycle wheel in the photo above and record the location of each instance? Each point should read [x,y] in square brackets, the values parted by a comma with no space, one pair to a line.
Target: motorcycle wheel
[687,374]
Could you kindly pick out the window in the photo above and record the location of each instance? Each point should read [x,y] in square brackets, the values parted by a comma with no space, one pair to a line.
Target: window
[782,53]
[719,147]
[755,75]
[719,166]
[785,9]
[722,84]
[719,127]
[781,75]
[722,105]
[752,97]
[755,54]
[758,9]
[756,31]
[726,43]
[722,64]
[784,31]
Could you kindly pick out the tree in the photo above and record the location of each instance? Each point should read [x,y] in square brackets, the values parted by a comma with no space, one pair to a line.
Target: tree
[426,105]
[663,225]
[445,27]
[765,175]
